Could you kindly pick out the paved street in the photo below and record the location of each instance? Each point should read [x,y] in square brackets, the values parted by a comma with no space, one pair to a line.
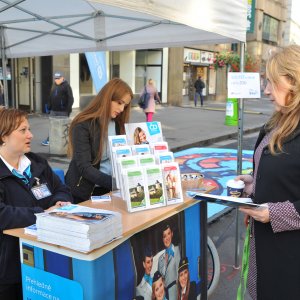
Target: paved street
[182,127]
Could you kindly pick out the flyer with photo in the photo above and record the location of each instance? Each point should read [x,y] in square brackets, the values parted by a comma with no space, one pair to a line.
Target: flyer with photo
[135,189]
[154,180]
[143,133]
[172,181]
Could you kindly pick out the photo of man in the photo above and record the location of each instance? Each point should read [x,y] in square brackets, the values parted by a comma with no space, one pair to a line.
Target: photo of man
[144,288]
[168,262]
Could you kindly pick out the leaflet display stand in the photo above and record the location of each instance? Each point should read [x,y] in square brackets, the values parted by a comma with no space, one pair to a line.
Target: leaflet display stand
[115,270]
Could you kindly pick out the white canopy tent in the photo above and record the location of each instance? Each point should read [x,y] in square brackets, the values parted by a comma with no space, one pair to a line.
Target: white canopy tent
[40,27]
[44,27]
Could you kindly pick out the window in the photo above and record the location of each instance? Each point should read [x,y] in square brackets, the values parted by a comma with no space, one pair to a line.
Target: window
[270,30]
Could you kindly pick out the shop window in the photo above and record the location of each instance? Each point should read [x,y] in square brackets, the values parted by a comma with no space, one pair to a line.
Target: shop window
[270,30]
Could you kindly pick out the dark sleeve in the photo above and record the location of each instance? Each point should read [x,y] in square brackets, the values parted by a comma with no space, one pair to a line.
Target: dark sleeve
[193,291]
[15,217]
[70,98]
[82,155]
[49,103]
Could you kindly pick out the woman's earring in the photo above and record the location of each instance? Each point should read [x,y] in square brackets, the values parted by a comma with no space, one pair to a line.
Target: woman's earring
[3,144]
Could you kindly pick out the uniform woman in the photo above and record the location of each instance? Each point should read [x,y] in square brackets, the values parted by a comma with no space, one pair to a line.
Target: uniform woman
[27,186]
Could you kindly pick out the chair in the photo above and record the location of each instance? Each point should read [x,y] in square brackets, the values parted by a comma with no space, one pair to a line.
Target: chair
[60,173]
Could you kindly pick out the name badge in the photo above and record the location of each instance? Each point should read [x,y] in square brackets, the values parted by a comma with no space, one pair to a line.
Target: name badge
[41,191]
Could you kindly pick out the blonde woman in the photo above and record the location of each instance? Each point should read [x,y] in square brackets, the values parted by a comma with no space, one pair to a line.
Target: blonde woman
[150,109]
[274,260]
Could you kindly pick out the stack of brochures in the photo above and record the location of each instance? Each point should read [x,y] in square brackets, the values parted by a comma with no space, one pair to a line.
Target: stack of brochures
[78,227]
[143,167]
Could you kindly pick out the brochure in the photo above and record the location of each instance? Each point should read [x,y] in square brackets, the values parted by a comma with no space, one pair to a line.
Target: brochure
[229,201]
[154,180]
[135,189]
[172,182]
[32,230]
[117,152]
[140,149]
[164,157]
[143,133]
[158,147]
[116,141]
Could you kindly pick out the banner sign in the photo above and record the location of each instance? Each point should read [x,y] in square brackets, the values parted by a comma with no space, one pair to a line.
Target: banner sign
[97,66]
[250,16]
[243,85]
[38,284]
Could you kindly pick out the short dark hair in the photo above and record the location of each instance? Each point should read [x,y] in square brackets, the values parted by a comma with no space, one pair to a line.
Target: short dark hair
[10,120]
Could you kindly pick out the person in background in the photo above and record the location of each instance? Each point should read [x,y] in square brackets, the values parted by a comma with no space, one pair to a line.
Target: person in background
[158,287]
[27,186]
[144,289]
[61,99]
[199,86]
[186,288]
[139,136]
[168,262]
[89,172]
[154,97]
[274,260]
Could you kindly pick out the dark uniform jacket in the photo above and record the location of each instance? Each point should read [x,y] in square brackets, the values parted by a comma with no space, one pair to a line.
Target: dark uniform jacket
[17,208]
[83,175]
[278,254]
[61,98]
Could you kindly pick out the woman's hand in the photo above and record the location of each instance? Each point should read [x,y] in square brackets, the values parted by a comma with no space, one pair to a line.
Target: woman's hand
[58,204]
[258,214]
[248,180]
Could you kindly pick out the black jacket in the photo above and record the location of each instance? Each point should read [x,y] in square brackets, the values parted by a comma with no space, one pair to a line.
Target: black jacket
[61,98]
[17,209]
[83,175]
[278,254]
[199,85]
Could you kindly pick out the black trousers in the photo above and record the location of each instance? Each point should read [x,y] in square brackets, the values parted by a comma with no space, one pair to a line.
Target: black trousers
[11,291]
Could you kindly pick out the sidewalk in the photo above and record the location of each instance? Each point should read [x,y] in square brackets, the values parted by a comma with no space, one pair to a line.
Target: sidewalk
[182,127]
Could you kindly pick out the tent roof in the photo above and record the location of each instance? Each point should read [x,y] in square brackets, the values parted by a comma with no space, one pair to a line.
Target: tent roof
[41,27]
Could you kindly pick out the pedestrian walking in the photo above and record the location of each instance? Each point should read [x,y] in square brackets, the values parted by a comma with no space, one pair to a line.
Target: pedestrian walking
[199,86]
[60,100]
[153,99]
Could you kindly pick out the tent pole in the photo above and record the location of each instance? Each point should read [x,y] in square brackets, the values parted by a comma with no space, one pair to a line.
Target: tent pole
[239,155]
[3,58]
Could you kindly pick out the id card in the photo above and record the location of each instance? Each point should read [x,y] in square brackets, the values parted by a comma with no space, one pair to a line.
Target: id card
[41,191]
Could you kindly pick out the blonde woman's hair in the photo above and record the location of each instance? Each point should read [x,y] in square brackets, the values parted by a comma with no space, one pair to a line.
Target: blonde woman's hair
[285,62]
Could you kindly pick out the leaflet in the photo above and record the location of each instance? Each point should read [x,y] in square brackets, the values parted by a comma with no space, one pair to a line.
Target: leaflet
[229,201]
